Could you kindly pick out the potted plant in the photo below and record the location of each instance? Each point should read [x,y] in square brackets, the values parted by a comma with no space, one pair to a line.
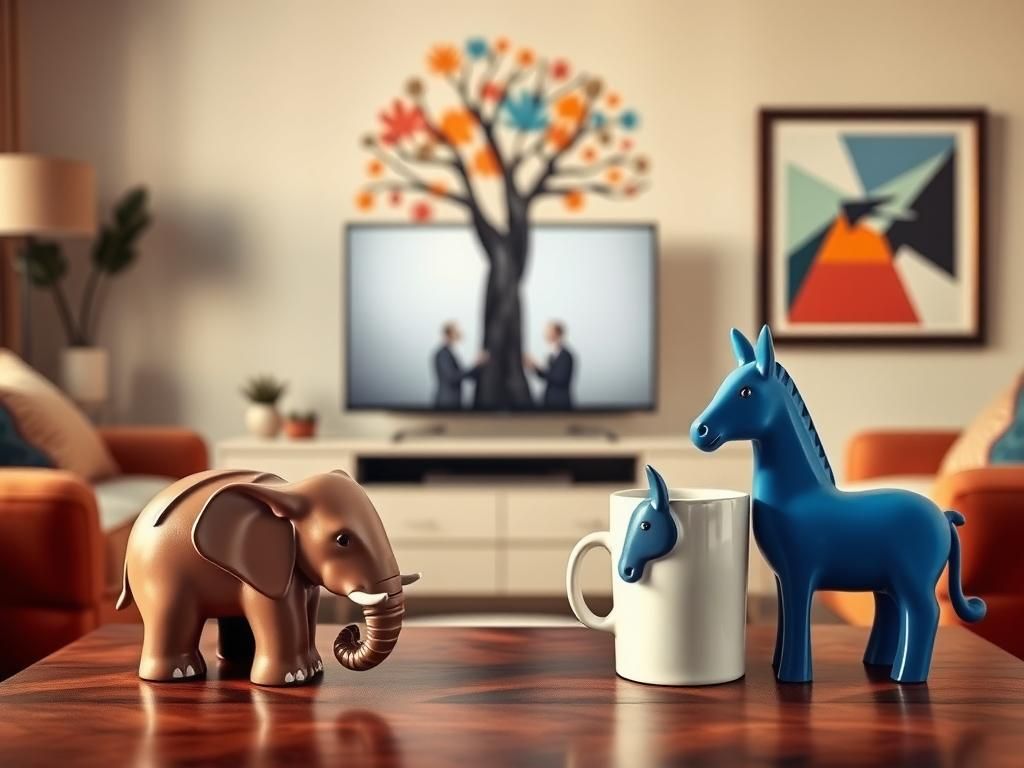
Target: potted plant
[83,364]
[300,424]
[262,418]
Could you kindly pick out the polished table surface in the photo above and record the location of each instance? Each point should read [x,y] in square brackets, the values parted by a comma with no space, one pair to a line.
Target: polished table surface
[524,697]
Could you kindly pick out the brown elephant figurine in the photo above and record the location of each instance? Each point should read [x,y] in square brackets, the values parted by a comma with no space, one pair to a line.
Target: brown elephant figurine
[252,551]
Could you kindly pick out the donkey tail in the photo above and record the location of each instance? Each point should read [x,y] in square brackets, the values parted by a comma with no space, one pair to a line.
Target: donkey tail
[970,609]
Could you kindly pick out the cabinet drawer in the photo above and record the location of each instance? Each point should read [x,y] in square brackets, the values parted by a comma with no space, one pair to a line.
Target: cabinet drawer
[418,513]
[556,514]
[541,571]
[451,571]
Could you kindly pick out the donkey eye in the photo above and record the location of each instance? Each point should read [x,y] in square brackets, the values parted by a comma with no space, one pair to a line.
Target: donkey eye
[341,539]
[645,526]
[746,392]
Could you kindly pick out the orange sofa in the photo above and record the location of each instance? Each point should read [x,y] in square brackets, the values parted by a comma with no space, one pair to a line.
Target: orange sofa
[62,540]
[992,500]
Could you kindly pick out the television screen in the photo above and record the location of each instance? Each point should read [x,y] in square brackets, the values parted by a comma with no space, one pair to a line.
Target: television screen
[434,324]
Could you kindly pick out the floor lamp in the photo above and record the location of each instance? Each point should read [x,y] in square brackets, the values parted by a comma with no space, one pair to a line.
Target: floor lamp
[43,197]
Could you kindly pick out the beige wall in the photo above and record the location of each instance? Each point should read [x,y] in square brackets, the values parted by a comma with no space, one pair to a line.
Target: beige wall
[243,117]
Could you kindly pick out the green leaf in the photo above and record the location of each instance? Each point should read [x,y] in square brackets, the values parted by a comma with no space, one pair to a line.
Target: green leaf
[130,206]
[45,262]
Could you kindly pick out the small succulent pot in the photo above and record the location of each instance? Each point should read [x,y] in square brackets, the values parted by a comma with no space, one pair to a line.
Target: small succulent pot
[262,420]
[300,427]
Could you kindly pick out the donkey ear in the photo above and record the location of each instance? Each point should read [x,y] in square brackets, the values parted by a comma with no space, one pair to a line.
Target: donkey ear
[658,491]
[765,352]
[245,529]
[741,347]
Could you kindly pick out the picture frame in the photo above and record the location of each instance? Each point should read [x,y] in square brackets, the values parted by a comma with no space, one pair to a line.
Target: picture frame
[872,225]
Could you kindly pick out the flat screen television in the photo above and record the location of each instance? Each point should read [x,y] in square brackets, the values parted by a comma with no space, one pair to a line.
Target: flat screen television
[432,325]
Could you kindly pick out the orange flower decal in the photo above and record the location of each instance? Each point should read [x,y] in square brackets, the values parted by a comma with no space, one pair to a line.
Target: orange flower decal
[559,136]
[570,108]
[374,169]
[501,45]
[444,60]
[573,200]
[613,100]
[627,144]
[437,188]
[421,212]
[364,201]
[491,92]
[485,163]
[613,175]
[395,198]
[457,126]
[589,154]
[525,57]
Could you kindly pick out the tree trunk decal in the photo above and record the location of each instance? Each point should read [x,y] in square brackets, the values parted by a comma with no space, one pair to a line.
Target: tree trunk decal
[525,124]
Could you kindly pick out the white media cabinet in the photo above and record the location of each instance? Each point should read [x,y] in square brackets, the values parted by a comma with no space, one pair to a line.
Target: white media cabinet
[497,516]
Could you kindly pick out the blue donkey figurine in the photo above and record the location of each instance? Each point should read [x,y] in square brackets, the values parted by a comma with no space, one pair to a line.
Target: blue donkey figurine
[891,542]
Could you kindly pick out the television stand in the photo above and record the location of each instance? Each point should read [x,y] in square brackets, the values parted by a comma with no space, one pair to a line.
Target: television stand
[583,430]
[431,430]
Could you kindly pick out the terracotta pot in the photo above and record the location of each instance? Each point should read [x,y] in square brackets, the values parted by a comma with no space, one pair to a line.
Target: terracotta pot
[262,420]
[298,430]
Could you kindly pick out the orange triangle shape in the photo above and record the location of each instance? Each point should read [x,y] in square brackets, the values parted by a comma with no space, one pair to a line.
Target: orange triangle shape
[853,245]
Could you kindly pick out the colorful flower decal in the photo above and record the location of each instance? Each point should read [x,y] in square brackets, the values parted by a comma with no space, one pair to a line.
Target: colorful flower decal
[573,200]
[402,122]
[570,107]
[374,169]
[477,48]
[613,100]
[491,92]
[485,163]
[501,45]
[437,188]
[457,126]
[598,120]
[559,136]
[629,120]
[613,175]
[364,201]
[414,87]
[642,165]
[560,69]
[525,57]
[421,211]
[395,198]
[444,60]
[526,112]
[626,145]
[589,154]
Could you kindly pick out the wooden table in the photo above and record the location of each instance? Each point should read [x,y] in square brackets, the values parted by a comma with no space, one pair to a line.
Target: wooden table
[524,697]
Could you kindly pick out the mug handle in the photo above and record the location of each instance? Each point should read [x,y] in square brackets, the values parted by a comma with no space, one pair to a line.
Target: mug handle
[572,583]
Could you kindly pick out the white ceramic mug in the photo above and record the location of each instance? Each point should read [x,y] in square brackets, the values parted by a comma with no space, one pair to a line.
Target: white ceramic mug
[684,621]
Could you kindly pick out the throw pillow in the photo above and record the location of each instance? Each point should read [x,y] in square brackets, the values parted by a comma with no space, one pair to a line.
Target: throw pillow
[996,436]
[50,424]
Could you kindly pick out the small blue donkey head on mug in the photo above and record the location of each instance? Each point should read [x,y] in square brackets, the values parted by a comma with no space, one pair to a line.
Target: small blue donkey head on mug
[652,531]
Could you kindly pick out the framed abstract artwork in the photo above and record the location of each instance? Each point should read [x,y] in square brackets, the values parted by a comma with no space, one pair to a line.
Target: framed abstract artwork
[872,225]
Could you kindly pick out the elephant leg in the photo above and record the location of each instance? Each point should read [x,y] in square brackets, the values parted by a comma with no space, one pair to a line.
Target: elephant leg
[235,642]
[885,632]
[779,624]
[170,645]
[919,620]
[281,631]
[795,658]
[312,608]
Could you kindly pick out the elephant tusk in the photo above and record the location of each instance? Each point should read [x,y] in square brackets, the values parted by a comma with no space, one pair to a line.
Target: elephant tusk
[410,578]
[366,599]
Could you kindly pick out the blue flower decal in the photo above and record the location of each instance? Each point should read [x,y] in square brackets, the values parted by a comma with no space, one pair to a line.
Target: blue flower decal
[477,48]
[598,120]
[629,119]
[525,112]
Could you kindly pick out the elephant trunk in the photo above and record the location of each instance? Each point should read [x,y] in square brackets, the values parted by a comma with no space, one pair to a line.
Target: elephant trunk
[383,624]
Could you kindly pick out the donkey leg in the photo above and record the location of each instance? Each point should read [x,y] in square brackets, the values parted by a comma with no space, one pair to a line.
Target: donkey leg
[919,620]
[885,632]
[779,623]
[795,658]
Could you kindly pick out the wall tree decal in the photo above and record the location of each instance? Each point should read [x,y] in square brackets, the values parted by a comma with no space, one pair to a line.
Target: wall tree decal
[518,128]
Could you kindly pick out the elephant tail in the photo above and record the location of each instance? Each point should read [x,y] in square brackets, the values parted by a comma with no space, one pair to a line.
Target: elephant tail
[126,591]
[970,609]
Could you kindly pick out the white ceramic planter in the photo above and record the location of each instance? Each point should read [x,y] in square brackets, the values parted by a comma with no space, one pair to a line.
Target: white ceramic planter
[262,420]
[84,373]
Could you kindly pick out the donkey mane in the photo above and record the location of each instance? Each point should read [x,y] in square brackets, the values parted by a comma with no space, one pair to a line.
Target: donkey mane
[805,417]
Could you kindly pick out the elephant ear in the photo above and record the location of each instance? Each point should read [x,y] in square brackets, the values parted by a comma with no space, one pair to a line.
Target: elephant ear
[246,529]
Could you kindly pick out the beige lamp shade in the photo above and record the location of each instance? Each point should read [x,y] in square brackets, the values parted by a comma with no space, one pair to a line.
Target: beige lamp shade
[46,196]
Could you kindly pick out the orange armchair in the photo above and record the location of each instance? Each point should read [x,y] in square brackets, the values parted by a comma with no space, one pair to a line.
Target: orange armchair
[992,500]
[52,550]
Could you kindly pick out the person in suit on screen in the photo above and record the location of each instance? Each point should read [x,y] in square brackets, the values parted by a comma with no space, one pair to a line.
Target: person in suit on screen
[558,374]
[448,369]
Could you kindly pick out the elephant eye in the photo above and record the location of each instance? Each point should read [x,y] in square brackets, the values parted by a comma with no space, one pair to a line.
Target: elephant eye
[645,526]
[746,392]
[342,539]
